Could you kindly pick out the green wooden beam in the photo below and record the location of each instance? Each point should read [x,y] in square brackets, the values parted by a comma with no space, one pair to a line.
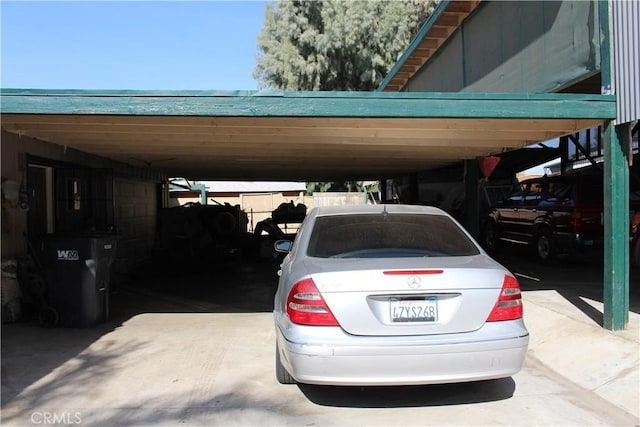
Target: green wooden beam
[309,104]
[616,227]
[616,197]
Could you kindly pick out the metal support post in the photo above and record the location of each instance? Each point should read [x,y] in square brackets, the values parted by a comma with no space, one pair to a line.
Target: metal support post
[472,206]
[414,189]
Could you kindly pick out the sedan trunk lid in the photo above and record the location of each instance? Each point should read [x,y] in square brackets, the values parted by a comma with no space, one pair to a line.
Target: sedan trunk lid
[414,296]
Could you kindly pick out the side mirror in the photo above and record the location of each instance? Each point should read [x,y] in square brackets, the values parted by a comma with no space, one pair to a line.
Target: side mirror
[283,246]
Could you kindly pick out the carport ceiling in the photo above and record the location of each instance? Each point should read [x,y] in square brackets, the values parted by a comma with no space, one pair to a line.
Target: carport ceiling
[295,135]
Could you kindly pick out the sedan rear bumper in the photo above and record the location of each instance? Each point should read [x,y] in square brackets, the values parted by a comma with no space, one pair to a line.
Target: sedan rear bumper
[408,364]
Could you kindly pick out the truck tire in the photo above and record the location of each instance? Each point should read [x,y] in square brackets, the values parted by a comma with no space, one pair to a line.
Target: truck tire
[490,240]
[545,245]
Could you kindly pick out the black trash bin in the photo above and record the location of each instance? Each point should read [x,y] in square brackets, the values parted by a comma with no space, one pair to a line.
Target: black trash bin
[78,272]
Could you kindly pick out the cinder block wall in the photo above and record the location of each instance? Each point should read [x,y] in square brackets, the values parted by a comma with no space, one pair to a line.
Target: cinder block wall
[136,218]
[338,199]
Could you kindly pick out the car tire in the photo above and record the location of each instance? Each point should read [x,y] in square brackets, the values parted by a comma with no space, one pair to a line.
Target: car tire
[490,240]
[545,246]
[282,375]
[48,317]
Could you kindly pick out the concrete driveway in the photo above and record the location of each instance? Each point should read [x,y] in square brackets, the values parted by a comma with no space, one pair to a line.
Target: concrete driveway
[178,360]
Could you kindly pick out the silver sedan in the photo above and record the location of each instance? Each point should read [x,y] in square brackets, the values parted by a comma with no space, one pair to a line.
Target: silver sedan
[393,295]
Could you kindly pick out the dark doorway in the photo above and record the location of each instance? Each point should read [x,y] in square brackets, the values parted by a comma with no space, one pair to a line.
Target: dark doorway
[39,216]
[68,200]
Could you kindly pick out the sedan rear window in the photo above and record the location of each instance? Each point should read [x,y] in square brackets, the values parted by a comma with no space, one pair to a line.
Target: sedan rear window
[388,235]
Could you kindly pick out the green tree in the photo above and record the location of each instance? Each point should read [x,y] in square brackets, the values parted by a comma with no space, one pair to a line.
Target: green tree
[335,45]
[343,186]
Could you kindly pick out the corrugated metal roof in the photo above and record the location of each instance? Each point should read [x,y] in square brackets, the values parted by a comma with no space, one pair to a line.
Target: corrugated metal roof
[626,60]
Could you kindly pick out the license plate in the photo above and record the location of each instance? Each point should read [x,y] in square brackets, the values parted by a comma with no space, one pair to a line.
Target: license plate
[414,310]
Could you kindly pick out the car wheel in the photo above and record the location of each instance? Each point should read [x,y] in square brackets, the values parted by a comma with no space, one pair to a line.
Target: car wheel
[281,373]
[48,317]
[545,246]
[490,237]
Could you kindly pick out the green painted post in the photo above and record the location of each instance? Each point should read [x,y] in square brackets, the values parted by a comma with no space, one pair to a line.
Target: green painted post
[616,227]
[203,192]
[616,197]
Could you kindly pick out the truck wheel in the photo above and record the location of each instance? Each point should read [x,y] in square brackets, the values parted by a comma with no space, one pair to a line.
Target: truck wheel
[490,237]
[545,246]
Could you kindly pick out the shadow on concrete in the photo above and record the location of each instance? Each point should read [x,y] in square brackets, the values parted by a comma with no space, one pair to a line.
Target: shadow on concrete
[245,287]
[30,352]
[219,409]
[222,287]
[410,396]
[593,313]
[574,278]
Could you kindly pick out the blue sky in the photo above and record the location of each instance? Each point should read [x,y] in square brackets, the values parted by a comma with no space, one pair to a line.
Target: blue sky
[169,45]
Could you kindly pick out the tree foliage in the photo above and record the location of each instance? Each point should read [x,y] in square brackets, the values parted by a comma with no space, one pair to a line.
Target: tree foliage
[343,186]
[335,45]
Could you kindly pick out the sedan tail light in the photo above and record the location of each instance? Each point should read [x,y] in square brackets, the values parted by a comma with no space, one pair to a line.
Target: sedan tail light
[306,306]
[509,304]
